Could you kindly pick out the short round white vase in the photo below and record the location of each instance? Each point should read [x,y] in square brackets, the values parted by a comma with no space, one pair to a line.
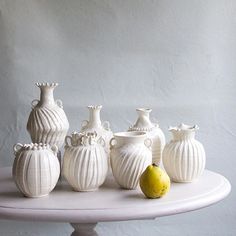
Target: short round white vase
[47,122]
[36,169]
[94,124]
[130,155]
[144,123]
[85,162]
[184,157]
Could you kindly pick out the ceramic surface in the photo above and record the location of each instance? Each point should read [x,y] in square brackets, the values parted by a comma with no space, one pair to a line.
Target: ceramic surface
[184,157]
[85,162]
[95,124]
[130,155]
[47,122]
[144,123]
[36,169]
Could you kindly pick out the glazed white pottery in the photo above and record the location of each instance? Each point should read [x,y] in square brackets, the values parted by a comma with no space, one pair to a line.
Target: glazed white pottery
[85,162]
[94,124]
[130,155]
[47,122]
[184,157]
[36,169]
[144,123]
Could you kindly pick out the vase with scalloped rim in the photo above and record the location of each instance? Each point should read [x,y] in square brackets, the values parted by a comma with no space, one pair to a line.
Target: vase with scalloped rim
[184,157]
[47,122]
[94,123]
[153,131]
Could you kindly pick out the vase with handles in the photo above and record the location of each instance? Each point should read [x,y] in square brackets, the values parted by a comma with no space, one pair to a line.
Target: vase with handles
[85,162]
[130,155]
[36,168]
[47,122]
[184,157]
[94,124]
[153,130]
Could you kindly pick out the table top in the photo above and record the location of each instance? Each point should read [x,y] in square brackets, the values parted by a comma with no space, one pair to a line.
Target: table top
[110,202]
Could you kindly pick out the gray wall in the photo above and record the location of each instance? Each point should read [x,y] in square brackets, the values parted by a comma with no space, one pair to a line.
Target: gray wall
[178,57]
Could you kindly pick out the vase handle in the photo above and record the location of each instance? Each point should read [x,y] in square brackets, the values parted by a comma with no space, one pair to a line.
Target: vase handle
[54,149]
[34,103]
[106,125]
[148,143]
[101,141]
[59,103]
[67,138]
[112,144]
[17,147]
[84,123]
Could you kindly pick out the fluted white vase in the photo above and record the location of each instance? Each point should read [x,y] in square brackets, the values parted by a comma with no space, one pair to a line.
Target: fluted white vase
[154,132]
[184,157]
[36,169]
[130,155]
[94,124]
[85,162]
[47,122]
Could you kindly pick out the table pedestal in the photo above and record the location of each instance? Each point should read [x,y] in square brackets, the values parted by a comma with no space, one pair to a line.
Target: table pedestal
[84,229]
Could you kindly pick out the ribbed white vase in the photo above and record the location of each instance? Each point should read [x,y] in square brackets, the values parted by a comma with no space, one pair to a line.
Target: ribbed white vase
[85,162]
[130,155]
[47,122]
[94,124]
[36,169]
[184,157]
[144,123]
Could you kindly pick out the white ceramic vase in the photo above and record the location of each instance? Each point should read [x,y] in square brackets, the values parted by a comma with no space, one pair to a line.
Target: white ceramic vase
[184,157]
[130,155]
[94,124]
[36,169]
[144,123]
[47,122]
[85,162]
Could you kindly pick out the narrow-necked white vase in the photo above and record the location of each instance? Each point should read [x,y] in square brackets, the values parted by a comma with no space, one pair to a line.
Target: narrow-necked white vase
[144,123]
[184,157]
[130,155]
[47,122]
[36,169]
[85,162]
[94,124]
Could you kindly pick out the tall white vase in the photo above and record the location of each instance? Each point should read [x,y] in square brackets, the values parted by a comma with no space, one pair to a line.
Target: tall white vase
[36,169]
[95,124]
[47,122]
[85,162]
[130,155]
[184,157]
[144,123]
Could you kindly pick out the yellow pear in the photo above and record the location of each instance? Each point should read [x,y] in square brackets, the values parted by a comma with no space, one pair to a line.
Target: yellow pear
[154,182]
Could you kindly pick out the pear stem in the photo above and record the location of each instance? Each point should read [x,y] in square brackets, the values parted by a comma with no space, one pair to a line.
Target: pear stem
[154,164]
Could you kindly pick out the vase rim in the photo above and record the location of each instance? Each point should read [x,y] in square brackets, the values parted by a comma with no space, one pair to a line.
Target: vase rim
[46,84]
[131,134]
[183,127]
[95,107]
[144,109]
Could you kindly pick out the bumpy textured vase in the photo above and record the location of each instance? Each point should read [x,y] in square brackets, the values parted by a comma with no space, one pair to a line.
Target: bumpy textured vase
[47,122]
[94,124]
[85,162]
[36,169]
[130,155]
[184,157]
[144,123]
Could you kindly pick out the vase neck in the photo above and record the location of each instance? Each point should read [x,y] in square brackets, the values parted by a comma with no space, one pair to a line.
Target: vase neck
[183,135]
[94,116]
[46,96]
[143,120]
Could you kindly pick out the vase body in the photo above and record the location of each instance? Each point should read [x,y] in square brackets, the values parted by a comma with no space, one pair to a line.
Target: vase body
[144,123]
[130,155]
[36,169]
[85,162]
[94,124]
[184,157]
[47,122]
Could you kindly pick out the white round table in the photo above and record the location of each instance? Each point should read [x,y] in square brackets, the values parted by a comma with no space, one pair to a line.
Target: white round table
[110,203]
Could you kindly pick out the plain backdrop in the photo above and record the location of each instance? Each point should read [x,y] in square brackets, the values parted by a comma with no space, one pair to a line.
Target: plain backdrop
[177,57]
